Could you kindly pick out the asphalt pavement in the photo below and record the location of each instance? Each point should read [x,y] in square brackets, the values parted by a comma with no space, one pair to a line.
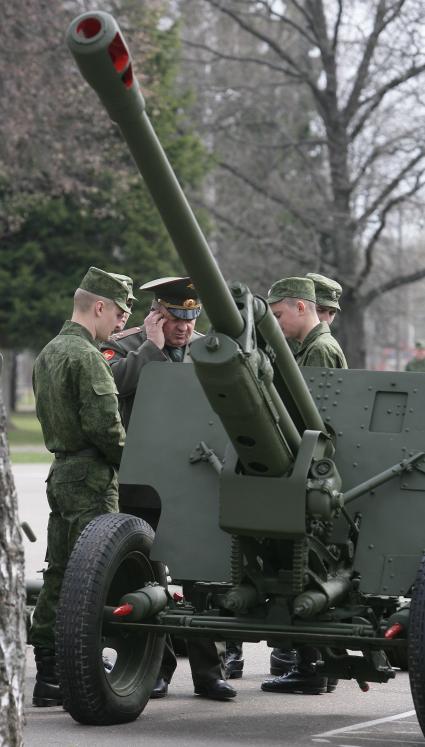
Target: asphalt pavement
[383,717]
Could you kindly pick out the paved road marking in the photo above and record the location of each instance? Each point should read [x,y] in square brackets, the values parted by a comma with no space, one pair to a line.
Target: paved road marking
[364,724]
[387,741]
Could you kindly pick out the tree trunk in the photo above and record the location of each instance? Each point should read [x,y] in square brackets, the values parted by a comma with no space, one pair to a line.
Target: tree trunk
[6,387]
[14,382]
[12,602]
[351,330]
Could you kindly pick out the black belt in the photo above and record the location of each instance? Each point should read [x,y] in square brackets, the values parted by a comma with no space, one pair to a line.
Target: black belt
[82,452]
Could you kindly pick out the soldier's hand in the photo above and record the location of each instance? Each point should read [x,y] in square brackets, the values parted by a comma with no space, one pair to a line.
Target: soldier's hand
[153,324]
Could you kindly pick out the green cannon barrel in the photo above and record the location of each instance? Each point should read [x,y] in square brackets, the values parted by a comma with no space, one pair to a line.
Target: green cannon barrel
[256,420]
[103,58]
[295,385]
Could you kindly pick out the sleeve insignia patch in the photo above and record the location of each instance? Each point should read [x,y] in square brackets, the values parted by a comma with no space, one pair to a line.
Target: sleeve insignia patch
[108,354]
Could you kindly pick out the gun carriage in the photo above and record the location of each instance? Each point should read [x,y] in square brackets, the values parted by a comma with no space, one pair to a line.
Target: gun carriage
[294,499]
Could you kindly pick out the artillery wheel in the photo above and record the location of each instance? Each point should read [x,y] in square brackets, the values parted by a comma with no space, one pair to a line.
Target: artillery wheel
[398,657]
[416,645]
[109,559]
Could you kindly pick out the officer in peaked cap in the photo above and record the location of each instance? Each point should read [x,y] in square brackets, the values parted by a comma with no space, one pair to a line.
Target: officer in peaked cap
[328,292]
[176,294]
[77,407]
[418,362]
[165,335]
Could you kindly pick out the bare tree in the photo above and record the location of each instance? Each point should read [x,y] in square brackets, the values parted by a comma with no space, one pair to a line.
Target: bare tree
[337,174]
[12,600]
[49,123]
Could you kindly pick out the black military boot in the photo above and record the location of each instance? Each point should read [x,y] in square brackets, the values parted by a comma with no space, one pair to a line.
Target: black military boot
[47,691]
[233,660]
[161,688]
[303,678]
[282,660]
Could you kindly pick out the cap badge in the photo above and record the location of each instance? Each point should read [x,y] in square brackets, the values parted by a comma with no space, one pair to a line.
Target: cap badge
[190,303]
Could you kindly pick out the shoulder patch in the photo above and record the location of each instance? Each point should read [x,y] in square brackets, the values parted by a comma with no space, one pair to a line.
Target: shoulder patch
[125,333]
[108,354]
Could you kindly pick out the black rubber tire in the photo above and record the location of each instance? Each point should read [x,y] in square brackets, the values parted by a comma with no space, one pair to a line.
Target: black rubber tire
[398,658]
[109,559]
[416,645]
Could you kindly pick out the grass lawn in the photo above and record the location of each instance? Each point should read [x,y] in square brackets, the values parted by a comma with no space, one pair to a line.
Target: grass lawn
[26,440]
[24,430]
[30,457]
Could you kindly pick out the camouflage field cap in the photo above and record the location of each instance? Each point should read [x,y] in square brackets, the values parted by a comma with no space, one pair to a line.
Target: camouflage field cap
[328,291]
[177,295]
[128,282]
[104,285]
[292,288]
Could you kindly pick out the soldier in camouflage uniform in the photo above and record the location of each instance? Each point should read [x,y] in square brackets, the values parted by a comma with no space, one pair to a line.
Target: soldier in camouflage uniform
[328,292]
[166,334]
[317,348]
[76,404]
[294,303]
[418,362]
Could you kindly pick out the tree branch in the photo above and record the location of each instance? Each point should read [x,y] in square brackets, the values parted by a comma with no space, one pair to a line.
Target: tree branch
[336,26]
[327,100]
[379,24]
[369,252]
[375,100]
[242,229]
[298,71]
[300,7]
[279,199]
[412,277]
[235,58]
[390,147]
[390,187]
[287,21]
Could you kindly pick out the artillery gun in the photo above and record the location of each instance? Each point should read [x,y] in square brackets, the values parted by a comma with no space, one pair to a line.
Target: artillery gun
[293,499]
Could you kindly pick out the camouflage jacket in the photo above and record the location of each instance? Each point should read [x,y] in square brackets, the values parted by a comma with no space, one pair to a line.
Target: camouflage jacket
[319,348]
[76,396]
[127,352]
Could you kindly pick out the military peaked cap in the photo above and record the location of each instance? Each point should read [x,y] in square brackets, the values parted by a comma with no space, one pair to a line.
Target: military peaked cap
[104,285]
[177,295]
[328,291]
[292,288]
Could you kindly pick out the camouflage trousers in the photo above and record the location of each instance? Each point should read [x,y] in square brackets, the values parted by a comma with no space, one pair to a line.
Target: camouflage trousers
[78,490]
